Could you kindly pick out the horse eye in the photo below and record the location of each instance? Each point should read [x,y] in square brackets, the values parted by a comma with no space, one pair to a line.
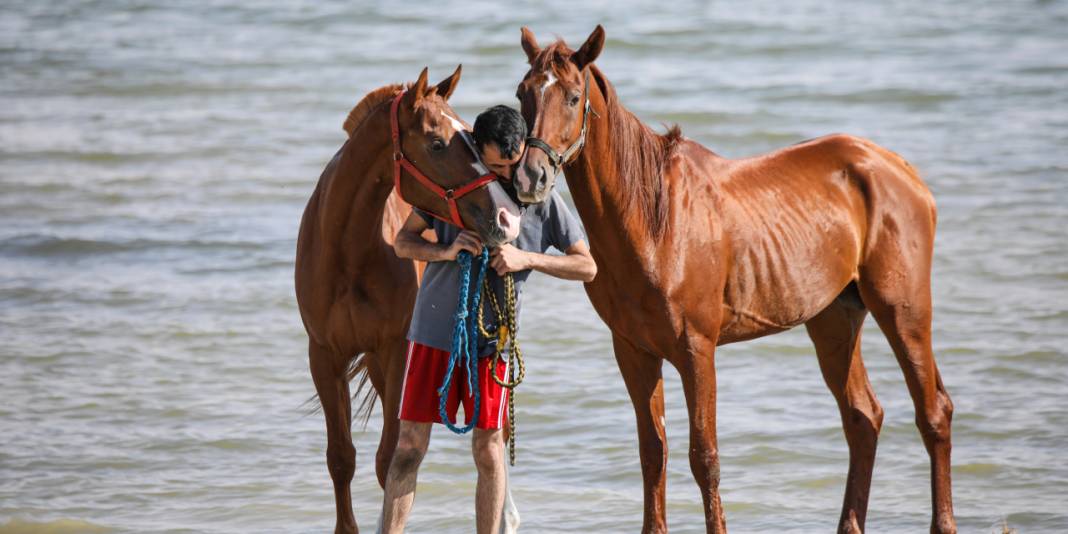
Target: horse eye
[574,101]
[437,145]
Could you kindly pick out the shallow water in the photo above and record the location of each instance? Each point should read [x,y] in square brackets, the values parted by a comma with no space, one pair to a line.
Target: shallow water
[154,163]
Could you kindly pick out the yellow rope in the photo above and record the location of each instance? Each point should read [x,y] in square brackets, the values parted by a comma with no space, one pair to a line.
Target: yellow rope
[506,335]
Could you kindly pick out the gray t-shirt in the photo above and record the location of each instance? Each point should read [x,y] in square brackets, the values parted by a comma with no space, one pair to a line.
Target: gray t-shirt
[549,224]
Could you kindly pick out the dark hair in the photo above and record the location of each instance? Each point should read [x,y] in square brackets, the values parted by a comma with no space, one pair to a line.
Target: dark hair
[502,126]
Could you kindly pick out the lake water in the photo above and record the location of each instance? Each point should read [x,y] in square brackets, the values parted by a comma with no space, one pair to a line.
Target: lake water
[155,159]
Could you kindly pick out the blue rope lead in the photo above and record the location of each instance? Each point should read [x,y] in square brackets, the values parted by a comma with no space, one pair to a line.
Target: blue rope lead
[465,338]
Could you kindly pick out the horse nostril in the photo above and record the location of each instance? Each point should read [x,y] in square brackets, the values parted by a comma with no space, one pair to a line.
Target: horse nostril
[543,180]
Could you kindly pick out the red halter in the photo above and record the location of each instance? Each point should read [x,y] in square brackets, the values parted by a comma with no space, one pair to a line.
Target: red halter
[448,195]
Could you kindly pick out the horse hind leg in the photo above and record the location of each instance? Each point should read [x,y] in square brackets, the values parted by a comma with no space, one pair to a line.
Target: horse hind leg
[836,334]
[896,288]
[386,369]
[331,383]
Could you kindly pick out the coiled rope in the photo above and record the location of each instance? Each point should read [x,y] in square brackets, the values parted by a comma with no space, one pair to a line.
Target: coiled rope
[465,338]
[507,334]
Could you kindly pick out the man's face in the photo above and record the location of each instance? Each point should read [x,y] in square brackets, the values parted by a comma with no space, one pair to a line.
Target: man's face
[497,163]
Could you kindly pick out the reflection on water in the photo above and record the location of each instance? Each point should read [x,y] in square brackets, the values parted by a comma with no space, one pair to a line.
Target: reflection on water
[155,162]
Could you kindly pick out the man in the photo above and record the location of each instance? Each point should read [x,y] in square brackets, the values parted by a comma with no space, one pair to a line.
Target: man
[500,134]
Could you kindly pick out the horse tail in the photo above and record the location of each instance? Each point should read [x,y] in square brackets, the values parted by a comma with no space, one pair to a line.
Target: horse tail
[368,396]
[365,397]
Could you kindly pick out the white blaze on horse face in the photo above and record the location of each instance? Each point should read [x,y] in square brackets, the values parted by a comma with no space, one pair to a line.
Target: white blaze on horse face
[461,129]
[480,167]
[549,81]
[456,124]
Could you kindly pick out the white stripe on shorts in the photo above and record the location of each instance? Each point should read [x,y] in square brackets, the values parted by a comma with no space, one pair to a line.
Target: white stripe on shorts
[504,397]
[404,384]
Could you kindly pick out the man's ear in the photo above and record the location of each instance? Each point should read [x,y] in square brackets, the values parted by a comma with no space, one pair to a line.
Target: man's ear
[530,44]
[448,85]
[590,49]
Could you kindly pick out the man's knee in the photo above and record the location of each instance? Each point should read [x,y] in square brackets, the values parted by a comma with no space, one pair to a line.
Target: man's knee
[487,447]
[406,459]
[411,447]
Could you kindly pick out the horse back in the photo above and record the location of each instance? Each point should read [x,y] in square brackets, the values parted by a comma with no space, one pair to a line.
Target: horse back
[798,223]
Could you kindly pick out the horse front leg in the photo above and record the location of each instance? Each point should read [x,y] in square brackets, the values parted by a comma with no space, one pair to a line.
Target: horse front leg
[697,369]
[642,375]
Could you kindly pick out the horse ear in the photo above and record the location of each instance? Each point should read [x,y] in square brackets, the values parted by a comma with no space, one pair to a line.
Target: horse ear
[590,49]
[530,45]
[448,85]
[419,88]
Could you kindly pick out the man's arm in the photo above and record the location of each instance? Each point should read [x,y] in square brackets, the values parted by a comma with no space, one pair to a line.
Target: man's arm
[575,264]
[410,244]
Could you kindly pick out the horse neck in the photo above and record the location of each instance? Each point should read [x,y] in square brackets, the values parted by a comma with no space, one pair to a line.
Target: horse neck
[609,215]
[354,201]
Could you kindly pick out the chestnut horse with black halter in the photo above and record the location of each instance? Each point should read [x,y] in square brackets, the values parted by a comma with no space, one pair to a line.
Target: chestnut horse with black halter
[695,250]
[355,295]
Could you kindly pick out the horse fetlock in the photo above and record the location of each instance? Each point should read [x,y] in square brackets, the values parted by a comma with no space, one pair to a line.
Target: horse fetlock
[850,525]
[944,525]
[346,528]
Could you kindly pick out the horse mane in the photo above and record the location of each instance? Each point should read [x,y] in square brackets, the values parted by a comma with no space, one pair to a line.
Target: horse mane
[368,104]
[640,154]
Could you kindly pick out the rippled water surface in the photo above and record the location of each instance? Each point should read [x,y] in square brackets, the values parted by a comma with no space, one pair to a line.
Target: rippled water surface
[155,160]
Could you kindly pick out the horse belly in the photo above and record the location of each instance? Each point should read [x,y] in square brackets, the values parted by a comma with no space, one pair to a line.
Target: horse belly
[781,280]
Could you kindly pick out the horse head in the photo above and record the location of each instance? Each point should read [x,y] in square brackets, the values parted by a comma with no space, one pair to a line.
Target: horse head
[437,168]
[554,98]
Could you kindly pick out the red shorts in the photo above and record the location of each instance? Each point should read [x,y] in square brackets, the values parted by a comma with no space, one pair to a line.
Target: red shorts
[423,375]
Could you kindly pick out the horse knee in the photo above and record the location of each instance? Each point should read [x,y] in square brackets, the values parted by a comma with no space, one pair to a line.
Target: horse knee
[866,417]
[341,461]
[935,422]
[705,465]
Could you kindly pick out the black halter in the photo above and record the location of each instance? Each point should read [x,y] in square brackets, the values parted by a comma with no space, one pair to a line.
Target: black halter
[556,159]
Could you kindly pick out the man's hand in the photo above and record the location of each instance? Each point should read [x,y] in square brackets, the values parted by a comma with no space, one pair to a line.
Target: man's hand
[467,240]
[508,259]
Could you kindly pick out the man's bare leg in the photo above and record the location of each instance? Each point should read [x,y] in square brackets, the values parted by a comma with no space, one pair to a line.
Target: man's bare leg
[412,443]
[487,446]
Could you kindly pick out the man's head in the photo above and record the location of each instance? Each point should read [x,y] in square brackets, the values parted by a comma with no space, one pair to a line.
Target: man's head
[500,134]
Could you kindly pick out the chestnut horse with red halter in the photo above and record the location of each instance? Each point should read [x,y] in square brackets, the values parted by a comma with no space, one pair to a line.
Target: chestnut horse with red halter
[695,250]
[355,295]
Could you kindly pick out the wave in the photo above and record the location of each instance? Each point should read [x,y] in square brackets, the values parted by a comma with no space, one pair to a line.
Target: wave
[56,526]
[54,246]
